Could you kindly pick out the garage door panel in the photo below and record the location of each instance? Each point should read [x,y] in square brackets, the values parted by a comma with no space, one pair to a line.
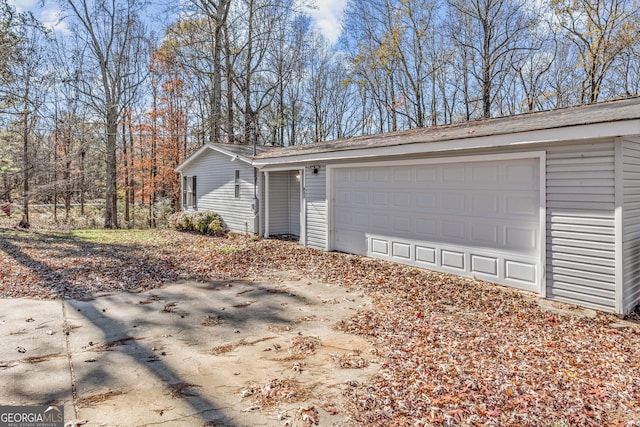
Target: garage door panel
[380,175]
[454,201]
[402,199]
[484,265]
[380,246]
[426,228]
[343,198]
[521,204]
[341,175]
[485,174]
[380,199]
[452,230]
[483,233]
[402,224]
[425,255]
[485,204]
[402,175]
[520,271]
[354,242]
[401,251]
[427,200]
[521,173]
[453,259]
[426,175]
[478,219]
[521,239]
[499,267]
[360,175]
[454,174]
[379,221]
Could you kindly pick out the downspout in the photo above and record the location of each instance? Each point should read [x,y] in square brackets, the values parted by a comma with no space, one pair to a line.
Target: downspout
[256,204]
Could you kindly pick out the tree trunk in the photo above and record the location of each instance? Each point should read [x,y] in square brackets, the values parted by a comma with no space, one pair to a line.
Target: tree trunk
[154,164]
[67,189]
[125,160]
[24,222]
[486,74]
[465,82]
[392,94]
[82,178]
[111,196]
[55,183]
[248,113]
[67,174]
[131,195]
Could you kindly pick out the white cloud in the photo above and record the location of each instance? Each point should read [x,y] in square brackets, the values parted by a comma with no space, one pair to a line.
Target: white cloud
[50,18]
[326,16]
[48,15]
[22,5]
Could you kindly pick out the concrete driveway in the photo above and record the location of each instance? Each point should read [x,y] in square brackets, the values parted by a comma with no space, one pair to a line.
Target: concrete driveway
[190,354]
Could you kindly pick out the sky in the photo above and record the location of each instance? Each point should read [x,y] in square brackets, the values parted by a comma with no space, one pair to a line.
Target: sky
[49,15]
[326,15]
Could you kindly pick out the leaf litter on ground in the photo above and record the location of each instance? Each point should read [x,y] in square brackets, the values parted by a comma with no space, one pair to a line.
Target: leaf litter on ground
[453,351]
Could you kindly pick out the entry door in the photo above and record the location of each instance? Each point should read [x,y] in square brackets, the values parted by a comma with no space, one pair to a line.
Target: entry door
[478,219]
[294,202]
[283,203]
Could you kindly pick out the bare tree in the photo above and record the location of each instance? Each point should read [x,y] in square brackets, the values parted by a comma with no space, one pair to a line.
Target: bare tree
[110,29]
[496,29]
[216,12]
[600,30]
[531,68]
[23,77]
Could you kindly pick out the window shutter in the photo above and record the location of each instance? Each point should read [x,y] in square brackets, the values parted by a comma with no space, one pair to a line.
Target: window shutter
[184,192]
[195,199]
[237,185]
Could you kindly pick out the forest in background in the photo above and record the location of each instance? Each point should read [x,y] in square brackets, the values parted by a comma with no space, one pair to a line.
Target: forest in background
[96,118]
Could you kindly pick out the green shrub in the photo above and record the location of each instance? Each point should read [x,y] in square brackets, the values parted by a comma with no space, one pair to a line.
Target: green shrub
[215,227]
[204,222]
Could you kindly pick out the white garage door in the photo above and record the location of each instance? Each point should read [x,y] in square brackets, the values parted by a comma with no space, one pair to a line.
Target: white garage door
[477,219]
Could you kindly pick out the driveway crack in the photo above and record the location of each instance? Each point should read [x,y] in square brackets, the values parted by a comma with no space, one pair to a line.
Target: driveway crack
[72,372]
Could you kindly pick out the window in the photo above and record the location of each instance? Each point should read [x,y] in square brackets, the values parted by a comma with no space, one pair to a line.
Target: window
[237,184]
[189,196]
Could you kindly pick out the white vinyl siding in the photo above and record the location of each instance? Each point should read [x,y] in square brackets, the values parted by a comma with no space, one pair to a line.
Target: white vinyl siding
[316,208]
[631,223]
[216,190]
[581,224]
[284,203]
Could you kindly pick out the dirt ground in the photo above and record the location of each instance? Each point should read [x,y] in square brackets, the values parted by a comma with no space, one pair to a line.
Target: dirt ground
[233,353]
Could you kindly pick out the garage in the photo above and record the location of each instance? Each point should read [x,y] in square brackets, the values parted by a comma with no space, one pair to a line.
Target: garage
[477,217]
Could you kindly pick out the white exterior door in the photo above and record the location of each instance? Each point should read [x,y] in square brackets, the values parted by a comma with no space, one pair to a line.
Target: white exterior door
[476,219]
[283,203]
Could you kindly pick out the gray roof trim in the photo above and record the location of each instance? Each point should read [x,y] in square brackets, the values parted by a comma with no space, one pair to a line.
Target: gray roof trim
[613,118]
[241,152]
[574,133]
[606,119]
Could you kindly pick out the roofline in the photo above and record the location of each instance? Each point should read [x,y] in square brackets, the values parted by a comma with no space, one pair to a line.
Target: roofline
[548,135]
[214,147]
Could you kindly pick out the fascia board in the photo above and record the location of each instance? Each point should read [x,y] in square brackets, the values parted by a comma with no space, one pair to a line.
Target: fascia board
[553,135]
[204,148]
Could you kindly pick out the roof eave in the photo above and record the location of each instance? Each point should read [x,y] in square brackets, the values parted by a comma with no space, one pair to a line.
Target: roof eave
[550,135]
[203,149]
